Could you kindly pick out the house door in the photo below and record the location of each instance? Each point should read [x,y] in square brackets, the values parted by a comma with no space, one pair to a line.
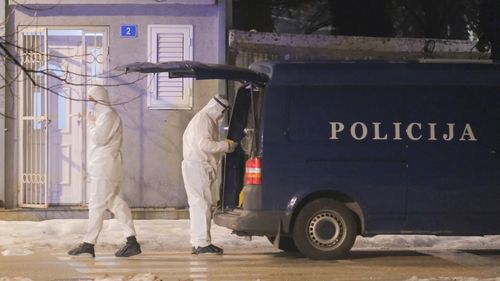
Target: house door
[65,61]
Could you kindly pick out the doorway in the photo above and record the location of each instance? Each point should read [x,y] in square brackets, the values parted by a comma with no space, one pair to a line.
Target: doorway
[64,62]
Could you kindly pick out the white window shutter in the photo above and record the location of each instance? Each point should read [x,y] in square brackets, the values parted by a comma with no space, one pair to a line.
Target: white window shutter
[170,43]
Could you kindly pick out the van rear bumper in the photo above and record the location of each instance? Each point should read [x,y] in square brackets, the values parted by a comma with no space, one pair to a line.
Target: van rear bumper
[246,222]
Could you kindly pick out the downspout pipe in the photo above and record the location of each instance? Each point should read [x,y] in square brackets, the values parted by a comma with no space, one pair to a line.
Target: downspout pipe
[224,7]
[3,26]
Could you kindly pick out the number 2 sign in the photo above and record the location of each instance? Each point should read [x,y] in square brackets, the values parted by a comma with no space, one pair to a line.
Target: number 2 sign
[128,31]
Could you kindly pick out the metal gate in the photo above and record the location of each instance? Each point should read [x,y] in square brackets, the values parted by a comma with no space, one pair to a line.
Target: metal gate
[34,120]
[52,154]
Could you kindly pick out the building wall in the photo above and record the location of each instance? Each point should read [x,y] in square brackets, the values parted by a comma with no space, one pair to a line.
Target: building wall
[152,148]
[248,47]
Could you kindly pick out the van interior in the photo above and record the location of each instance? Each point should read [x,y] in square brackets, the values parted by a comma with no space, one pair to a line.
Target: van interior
[243,128]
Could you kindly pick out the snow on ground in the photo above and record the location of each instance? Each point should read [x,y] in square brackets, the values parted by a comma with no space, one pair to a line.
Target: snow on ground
[138,277]
[26,237]
[397,242]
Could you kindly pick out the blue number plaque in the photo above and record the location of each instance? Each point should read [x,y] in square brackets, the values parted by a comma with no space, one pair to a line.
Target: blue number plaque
[128,31]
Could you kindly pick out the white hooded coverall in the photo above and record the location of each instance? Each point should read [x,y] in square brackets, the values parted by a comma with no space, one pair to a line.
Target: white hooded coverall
[105,168]
[202,151]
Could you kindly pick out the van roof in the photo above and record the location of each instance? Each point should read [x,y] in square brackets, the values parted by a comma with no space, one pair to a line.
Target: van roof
[423,72]
[316,73]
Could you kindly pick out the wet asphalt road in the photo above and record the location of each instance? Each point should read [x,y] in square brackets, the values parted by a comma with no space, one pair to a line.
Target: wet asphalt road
[261,265]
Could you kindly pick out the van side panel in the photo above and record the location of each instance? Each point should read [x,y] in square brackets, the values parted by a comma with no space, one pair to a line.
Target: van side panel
[415,145]
[309,146]
[454,182]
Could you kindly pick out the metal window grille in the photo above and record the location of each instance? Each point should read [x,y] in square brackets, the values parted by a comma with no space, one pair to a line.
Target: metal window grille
[34,120]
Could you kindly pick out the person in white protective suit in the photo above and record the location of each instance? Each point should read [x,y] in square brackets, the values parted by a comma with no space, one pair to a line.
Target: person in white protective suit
[202,151]
[104,176]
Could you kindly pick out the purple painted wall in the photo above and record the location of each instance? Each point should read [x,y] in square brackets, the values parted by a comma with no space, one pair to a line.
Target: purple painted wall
[152,138]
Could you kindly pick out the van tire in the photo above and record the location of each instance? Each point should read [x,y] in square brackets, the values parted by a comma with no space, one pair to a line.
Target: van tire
[324,229]
[286,243]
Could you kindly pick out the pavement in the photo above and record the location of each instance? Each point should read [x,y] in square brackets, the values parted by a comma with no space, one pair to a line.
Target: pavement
[268,264]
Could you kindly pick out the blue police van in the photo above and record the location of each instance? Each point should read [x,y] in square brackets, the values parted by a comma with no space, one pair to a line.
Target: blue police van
[332,150]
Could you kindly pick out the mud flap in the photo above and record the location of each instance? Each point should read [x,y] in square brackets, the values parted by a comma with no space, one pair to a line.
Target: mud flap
[276,242]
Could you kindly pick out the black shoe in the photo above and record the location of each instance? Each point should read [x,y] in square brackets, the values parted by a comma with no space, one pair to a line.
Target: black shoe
[210,249]
[132,248]
[82,249]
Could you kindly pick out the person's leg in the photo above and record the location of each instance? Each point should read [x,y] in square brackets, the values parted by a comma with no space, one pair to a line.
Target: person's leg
[123,215]
[99,195]
[196,181]
[97,206]
[210,249]
[207,198]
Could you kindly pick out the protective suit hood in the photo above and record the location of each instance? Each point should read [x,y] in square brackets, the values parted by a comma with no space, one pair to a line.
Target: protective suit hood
[201,137]
[100,94]
[215,108]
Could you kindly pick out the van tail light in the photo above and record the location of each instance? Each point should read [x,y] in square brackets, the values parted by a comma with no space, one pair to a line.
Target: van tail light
[253,174]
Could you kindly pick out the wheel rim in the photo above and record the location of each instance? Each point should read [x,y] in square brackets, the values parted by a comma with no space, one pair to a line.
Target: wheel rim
[326,230]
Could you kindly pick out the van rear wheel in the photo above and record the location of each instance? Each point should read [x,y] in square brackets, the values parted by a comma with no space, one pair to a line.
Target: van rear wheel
[324,229]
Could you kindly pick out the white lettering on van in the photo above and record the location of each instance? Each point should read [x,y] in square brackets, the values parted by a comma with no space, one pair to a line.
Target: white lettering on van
[397,130]
[449,136]
[364,130]
[409,131]
[468,132]
[376,126]
[414,131]
[337,127]
[432,131]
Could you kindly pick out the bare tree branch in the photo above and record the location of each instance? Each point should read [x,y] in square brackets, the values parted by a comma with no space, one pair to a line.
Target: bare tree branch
[36,9]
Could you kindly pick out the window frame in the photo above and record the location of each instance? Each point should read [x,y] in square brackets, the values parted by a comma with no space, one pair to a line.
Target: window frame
[185,101]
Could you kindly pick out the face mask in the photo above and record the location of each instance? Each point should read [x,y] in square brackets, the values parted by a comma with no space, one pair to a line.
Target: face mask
[226,107]
[91,106]
[219,118]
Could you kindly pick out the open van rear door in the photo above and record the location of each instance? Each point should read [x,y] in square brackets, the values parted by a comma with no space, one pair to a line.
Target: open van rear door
[199,71]
[234,165]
